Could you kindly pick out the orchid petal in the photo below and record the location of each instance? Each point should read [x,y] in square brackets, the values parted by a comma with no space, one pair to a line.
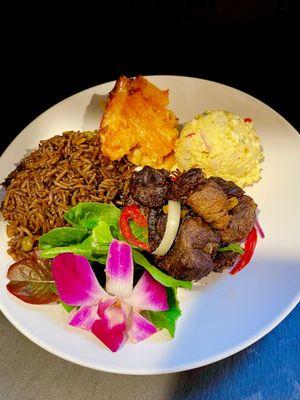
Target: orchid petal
[126,310]
[140,328]
[104,304]
[111,328]
[148,294]
[119,269]
[75,280]
[84,317]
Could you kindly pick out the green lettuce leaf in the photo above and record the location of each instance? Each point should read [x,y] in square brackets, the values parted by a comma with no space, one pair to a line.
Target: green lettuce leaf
[88,215]
[62,237]
[235,247]
[101,259]
[157,274]
[167,319]
[101,238]
[82,249]
[95,244]
[67,307]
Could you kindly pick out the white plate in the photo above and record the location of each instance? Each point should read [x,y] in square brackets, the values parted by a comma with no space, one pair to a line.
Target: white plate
[218,318]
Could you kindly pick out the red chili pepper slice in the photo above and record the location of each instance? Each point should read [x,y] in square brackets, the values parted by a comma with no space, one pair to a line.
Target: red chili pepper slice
[247,120]
[133,213]
[249,250]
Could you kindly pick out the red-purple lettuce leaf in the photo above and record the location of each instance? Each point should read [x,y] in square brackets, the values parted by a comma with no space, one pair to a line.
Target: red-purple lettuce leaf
[31,280]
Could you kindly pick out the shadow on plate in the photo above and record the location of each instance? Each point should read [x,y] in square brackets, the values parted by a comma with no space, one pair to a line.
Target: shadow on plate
[232,311]
[256,373]
[2,194]
[93,113]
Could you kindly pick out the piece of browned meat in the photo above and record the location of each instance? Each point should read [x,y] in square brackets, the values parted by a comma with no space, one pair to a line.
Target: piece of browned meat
[157,221]
[149,187]
[228,187]
[224,260]
[211,203]
[191,257]
[242,218]
[186,184]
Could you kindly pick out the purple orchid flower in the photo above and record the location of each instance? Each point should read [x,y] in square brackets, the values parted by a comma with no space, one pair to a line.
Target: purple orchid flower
[113,315]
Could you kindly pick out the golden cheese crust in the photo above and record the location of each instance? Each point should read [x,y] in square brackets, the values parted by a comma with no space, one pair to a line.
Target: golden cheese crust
[137,123]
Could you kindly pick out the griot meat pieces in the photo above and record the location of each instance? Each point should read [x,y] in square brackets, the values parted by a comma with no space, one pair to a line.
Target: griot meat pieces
[224,260]
[191,256]
[220,213]
[211,203]
[186,184]
[228,187]
[149,187]
[157,221]
[241,222]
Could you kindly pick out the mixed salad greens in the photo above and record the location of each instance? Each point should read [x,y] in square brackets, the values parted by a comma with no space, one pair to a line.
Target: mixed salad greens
[69,261]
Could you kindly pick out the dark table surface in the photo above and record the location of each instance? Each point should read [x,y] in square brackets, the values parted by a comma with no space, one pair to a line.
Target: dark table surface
[251,46]
[267,370]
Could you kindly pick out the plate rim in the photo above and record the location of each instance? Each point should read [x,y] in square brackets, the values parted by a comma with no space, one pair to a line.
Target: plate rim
[153,76]
[153,371]
[183,367]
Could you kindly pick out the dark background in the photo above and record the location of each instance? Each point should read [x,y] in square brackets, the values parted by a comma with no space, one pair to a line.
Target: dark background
[250,44]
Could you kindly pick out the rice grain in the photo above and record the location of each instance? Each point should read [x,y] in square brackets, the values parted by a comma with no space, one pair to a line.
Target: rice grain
[63,171]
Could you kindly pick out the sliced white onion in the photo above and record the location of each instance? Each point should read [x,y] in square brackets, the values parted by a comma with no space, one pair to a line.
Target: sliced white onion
[173,222]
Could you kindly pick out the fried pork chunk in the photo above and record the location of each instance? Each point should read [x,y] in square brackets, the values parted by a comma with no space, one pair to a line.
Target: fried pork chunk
[211,203]
[242,219]
[137,123]
[191,256]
